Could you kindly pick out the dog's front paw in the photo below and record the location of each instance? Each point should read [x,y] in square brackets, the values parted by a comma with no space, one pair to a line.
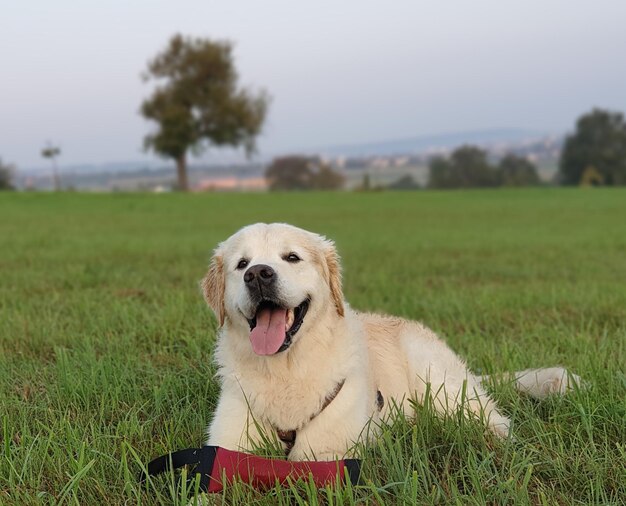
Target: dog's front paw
[499,424]
[300,454]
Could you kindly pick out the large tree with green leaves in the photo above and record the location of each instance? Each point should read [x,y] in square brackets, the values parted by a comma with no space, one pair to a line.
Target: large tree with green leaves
[597,146]
[198,103]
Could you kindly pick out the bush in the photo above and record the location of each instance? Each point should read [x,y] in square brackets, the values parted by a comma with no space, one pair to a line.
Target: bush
[7,173]
[302,173]
[404,183]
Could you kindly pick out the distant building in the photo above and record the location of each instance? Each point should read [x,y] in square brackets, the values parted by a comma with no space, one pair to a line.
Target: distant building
[231,184]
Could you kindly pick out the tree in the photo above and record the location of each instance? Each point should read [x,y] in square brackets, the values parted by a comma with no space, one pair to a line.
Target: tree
[325,178]
[441,174]
[515,170]
[52,152]
[367,182]
[467,167]
[302,173]
[289,173]
[7,172]
[198,103]
[406,182]
[599,142]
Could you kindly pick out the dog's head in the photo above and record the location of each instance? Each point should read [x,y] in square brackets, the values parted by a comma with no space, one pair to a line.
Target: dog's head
[273,281]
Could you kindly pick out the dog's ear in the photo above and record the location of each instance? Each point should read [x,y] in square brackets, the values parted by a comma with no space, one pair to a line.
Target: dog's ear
[213,286]
[334,275]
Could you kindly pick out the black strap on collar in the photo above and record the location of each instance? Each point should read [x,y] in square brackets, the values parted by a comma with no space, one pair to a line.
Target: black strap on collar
[201,460]
[289,436]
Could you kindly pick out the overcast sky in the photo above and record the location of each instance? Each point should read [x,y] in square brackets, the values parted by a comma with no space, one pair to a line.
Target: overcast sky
[339,71]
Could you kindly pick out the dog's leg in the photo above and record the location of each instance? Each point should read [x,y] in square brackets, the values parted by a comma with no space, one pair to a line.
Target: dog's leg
[484,407]
[443,376]
[233,426]
[450,394]
[540,383]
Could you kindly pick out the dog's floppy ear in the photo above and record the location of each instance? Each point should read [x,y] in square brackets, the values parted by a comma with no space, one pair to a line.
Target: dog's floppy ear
[334,275]
[213,286]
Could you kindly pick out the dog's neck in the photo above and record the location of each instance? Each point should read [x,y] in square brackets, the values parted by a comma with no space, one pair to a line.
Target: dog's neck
[289,436]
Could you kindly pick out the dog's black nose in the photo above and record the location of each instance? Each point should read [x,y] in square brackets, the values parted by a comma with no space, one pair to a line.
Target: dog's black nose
[262,274]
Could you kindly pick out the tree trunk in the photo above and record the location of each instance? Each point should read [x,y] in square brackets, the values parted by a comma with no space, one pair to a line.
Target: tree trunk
[181,172]
[56,180]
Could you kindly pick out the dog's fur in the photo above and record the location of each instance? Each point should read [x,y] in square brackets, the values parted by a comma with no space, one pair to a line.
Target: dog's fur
[370,353]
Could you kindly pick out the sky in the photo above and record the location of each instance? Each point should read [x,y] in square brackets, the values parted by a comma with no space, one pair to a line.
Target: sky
[338,71]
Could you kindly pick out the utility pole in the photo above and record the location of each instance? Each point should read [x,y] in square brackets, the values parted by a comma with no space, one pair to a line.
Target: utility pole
[52,152]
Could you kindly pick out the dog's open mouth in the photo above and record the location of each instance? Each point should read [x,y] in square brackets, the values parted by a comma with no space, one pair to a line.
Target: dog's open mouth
[273,326]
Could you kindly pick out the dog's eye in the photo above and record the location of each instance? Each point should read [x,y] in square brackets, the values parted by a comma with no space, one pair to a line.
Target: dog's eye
[292,258]
[243,263]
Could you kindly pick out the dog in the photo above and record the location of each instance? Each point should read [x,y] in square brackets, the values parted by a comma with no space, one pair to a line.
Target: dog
[300,367]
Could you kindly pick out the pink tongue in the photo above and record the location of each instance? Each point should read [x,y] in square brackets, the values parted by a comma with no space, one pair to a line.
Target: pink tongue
[269,334]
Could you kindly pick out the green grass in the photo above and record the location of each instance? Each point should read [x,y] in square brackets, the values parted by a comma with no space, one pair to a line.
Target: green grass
[105,342]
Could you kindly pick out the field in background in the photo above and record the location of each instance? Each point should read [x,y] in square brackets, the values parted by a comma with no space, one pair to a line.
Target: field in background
[105,342]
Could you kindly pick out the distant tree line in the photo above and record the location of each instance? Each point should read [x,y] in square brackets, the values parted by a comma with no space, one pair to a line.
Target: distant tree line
[198,103]
[469,167]
[595,154]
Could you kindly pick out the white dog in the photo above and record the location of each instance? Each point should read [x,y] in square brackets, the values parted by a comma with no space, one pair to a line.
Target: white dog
[299,365]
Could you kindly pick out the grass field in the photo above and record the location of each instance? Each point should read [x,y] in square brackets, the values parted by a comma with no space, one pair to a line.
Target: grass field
[105,341]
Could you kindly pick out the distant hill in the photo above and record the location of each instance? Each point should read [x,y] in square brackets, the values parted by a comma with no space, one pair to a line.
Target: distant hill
[95,168]
[430,143]
[118,176]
